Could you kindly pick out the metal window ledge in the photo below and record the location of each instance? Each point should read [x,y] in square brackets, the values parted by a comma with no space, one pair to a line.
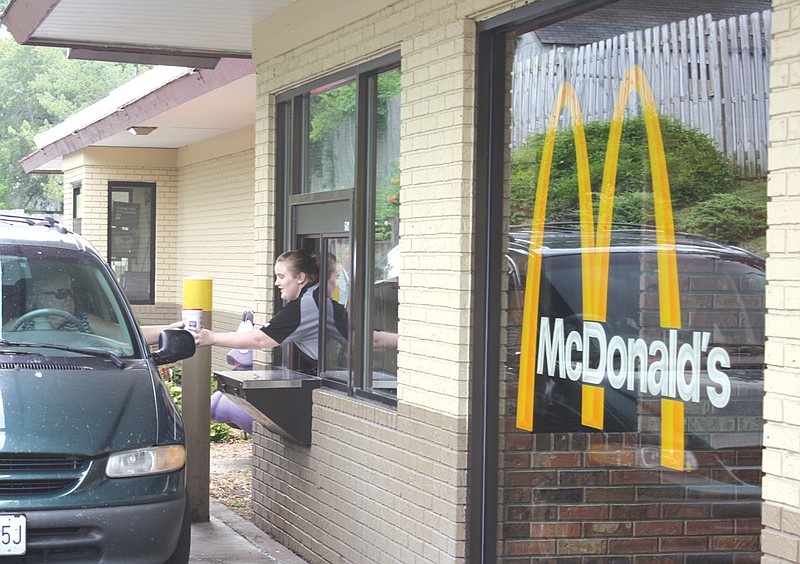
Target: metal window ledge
[278,398]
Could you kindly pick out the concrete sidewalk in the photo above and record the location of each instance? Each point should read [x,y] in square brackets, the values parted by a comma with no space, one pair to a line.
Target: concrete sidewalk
[228,538]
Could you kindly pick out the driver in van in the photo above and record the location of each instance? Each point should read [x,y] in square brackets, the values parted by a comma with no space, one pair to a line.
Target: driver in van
[54,295]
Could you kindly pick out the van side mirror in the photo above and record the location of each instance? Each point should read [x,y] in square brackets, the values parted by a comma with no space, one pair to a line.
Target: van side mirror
[174,345]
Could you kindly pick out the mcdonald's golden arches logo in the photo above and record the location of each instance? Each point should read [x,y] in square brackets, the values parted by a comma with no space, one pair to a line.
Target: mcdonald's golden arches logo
[595,241]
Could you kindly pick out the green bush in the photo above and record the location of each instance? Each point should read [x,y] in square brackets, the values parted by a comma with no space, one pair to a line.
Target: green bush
[219,432]
[696,168]
[172,375]
[635,208]
[726,218]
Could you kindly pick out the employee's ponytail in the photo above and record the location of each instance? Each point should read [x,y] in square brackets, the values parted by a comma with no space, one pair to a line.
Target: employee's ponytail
[304,261]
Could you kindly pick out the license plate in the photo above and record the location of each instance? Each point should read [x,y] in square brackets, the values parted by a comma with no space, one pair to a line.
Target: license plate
[12,534]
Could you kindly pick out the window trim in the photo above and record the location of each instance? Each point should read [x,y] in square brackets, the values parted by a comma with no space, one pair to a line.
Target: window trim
[77,206]
[292,110]
[121,186]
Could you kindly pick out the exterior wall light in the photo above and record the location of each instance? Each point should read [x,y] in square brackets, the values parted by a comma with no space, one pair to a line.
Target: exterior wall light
[141,130]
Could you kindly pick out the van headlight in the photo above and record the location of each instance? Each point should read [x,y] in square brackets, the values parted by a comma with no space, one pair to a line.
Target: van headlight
[144,461]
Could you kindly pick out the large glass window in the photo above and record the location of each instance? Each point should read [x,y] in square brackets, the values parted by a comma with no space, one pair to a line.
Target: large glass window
[386,250]
[632,340]
[131,238]
[339,167]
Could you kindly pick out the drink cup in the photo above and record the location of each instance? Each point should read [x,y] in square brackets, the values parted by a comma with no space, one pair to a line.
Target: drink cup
[193,318]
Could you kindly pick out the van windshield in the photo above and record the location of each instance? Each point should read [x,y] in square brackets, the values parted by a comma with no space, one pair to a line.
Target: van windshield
[60,297]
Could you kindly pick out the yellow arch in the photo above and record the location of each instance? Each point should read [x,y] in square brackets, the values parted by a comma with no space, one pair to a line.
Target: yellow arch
[595,254]
[565,96]
[669,297]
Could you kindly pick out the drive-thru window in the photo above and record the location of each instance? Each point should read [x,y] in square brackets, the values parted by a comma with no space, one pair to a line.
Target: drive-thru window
[575,299]
[340,137]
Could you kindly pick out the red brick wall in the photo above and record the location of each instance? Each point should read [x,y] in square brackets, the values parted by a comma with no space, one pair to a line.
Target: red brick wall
[603,496]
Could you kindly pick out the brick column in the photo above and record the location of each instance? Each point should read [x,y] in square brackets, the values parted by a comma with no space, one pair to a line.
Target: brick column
[781,509]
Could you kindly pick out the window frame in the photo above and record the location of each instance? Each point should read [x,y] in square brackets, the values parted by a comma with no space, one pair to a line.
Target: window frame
[292,131]
[129,187]
[77,206]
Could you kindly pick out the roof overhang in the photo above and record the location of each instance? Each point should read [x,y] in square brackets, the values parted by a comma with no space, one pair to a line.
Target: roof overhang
[209,90]
[211,42]
[191,33]
[179,106]
[163,58]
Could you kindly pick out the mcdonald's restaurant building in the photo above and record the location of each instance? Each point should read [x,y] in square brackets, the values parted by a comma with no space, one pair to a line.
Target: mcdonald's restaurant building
[507,187]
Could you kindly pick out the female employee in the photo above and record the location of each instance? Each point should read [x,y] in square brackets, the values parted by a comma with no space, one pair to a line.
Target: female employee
[297,277]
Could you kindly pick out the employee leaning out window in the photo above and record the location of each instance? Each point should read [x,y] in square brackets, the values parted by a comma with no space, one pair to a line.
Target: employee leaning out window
[297,276]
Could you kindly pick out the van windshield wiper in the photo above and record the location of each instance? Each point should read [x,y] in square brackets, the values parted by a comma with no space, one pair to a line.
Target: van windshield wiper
[118,362]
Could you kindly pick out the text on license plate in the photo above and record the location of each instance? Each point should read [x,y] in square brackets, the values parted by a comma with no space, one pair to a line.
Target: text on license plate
[12,534]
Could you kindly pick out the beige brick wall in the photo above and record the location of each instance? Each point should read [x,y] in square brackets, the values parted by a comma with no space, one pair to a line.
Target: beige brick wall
[381,484]
[378,484]
[95,168]
[204,189]
[781,491]
[71,178]
[214,231]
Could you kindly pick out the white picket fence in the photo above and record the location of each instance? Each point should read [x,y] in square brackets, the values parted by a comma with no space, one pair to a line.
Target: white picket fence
[712,75]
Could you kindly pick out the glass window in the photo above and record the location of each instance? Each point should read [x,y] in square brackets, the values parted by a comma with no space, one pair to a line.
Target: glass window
[131,239]
[332,137]
[335,361]
[77,207]
[339,169]
[385,286]
[633,321]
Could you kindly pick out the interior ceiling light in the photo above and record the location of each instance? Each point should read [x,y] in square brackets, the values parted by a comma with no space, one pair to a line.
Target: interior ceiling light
[141,130]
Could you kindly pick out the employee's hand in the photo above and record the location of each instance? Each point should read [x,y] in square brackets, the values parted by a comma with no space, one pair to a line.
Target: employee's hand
[203,337]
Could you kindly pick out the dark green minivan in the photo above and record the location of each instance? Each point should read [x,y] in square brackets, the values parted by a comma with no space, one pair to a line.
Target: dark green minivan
[92,449]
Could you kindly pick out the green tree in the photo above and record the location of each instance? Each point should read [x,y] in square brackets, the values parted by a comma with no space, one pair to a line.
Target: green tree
[39,88]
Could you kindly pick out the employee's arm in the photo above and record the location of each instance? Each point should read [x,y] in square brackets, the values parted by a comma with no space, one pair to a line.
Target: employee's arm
[384,340]
[255,339]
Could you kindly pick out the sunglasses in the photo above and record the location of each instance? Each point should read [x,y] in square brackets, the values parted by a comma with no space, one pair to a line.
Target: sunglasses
[60,294]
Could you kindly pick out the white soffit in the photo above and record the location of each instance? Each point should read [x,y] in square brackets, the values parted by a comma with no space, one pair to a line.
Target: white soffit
[178,26]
